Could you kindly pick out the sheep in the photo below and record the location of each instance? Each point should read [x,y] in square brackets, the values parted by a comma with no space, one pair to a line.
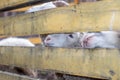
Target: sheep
[63,40]
[13,41]
[103,39]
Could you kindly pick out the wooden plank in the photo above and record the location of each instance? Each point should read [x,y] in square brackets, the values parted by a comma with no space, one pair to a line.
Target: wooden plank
[97,63]
[84,17]
[9,3]
[10,76]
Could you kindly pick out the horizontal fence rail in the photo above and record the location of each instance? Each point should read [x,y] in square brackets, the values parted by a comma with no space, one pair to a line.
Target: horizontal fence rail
[9,3]
[96,63]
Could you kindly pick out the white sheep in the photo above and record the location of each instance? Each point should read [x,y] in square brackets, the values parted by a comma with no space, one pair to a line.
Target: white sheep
[63,40]
[13,41]
[103,39]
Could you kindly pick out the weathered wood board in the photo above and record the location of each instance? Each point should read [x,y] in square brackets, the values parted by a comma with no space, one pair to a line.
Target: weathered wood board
[10,76]
[9,3]
[103,15]
[97,63]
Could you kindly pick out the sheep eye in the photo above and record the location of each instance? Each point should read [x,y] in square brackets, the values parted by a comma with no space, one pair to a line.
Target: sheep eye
[48,39]
[71,36]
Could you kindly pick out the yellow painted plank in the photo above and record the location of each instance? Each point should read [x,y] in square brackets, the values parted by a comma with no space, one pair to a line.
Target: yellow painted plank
[97,63]
[96,16]
[9,3]
[10,76]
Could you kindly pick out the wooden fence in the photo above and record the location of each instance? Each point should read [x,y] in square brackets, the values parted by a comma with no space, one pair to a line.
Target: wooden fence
[96,63]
